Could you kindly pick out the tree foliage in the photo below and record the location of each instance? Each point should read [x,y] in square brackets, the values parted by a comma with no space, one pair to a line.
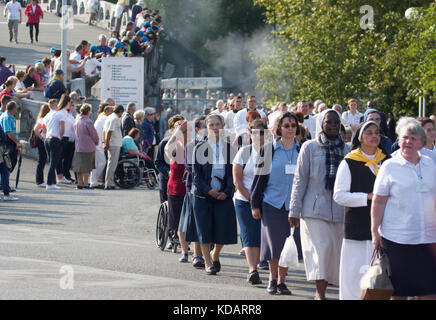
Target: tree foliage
[325,50]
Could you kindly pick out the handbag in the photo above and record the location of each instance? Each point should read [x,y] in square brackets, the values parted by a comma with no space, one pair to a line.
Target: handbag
[6,158]
[375,283]
[33,139]
[289,254]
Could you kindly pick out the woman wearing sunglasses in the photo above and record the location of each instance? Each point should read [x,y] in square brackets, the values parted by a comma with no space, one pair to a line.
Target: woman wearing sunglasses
[271,195]
[243,176]
[312,202]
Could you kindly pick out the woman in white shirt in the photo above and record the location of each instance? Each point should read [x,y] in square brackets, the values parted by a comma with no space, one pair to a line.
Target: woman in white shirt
[243,176]
[352,116]
[353,189]
[55,124]
[403,219]
[68,147]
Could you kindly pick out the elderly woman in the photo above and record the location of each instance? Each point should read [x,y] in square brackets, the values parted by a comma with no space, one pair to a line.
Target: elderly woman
[271,195]
[403,220]
[353,190]
[243,176]
[214,211]
[86,142]
[312,202]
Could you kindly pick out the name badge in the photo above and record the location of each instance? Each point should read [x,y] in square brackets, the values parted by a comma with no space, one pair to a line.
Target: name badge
[421,187]
[290,168]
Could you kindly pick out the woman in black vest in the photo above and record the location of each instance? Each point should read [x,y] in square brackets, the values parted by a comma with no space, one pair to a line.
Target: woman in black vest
[353,190]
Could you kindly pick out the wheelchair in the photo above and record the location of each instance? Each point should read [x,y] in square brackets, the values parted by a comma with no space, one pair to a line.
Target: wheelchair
[132,171]
[163,232]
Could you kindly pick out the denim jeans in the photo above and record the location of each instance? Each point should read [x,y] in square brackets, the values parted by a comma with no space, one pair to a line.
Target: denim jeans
[4,173]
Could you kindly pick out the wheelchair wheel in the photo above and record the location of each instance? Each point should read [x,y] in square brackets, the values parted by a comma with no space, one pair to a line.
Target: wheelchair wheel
[151,180]
[162,230]
[127,174]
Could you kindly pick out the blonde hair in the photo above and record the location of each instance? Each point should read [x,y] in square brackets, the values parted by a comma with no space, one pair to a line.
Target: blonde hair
[139,114]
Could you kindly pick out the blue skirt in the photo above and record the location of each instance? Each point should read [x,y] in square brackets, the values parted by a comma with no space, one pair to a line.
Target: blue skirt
[412,268]
[189,219]
[274,231]
[215,221]
[248,226]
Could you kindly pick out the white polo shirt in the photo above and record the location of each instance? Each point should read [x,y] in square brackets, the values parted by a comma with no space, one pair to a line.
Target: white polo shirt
[52,123]
[13,10]
[352,120]
[410,213]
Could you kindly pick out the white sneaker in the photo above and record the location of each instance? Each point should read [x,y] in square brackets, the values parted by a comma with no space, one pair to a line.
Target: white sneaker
[65,181]
[10,198]
[42,185]
[52,187]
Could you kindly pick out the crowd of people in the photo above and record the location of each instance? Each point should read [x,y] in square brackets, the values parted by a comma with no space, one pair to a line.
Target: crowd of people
[335,176]
[267,171]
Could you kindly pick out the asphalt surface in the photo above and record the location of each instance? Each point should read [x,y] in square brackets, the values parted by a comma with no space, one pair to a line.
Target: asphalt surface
[25,53]
[75,244]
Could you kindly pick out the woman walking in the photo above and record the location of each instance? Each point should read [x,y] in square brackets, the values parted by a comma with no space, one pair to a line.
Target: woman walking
[271,195]
[213,186]
[86,142]
[403,220]
[353,190]
[34,14]
[243,176]
[312,202]
[40,133]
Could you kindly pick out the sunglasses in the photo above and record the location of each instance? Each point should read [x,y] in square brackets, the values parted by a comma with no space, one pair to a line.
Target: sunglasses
[287,126]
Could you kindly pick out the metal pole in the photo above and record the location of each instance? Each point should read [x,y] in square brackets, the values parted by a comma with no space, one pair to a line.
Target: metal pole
[423,106]
[419,106]
[64,40]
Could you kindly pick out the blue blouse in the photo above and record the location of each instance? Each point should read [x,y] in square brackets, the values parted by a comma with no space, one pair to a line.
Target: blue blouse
[279,187]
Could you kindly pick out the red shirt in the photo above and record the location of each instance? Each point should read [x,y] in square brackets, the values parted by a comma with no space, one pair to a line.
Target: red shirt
[176,185]
[3,93]
[33,17]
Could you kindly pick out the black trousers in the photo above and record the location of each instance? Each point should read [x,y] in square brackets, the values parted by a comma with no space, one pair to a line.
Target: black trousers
[66,160]
[54,149]
[36,25]
[42,159]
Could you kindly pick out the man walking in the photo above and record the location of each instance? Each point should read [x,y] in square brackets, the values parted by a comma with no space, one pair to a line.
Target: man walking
[13,9]
[113,141]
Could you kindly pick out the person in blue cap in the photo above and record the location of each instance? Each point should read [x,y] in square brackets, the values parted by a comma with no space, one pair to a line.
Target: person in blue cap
[118,50]
[136,47]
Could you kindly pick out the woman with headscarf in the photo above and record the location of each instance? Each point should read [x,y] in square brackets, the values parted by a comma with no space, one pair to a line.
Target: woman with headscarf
[385,142]
[353,190]
[312,202]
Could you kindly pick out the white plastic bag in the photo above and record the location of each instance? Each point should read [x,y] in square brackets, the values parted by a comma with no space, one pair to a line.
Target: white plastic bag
[289,255]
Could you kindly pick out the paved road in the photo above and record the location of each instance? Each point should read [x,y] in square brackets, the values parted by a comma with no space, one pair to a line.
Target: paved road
[25,53]
[105,240]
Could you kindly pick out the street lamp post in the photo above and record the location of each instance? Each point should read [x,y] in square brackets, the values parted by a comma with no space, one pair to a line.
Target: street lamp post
[64,39]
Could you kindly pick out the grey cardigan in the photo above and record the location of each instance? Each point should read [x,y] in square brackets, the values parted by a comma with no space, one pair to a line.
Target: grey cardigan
[310,198]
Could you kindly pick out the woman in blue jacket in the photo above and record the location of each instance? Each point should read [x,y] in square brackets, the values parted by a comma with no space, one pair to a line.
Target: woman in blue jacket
[214,212]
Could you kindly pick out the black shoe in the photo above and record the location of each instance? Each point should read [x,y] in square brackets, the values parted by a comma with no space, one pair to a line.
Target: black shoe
[282,289]
[13,190]
[198,262]
[263,265]
[80,187]
[253,278]
[272,287]
[210,271]
[217,265]
[109,188]
[99,187]
[31,41]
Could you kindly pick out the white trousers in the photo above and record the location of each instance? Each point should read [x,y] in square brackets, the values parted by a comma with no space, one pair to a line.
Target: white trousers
[100,162]
[355,258]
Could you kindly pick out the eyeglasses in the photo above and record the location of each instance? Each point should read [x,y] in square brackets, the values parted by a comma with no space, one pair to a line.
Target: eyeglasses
[332,122]
[287,126]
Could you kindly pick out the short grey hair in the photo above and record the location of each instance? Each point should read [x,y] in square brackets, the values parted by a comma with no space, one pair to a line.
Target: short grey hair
[149,110]
[412,126]
[101,36]
[131,106]
[337,105]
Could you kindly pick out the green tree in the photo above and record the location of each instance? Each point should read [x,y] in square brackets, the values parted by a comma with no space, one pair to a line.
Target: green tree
[336,56]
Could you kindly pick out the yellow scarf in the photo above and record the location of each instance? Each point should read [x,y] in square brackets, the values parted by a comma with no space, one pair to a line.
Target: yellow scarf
[357,155]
